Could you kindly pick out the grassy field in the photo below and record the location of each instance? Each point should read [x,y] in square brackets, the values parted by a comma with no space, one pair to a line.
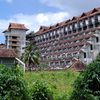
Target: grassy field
[60,82]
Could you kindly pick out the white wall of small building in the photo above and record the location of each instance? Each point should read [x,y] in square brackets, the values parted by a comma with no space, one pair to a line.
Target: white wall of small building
[22,39]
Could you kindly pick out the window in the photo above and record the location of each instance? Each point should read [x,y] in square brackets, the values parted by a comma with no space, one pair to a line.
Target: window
[91,47]
[84,55]
[58,31]
[54,33]
[90,23]
[87,22]
[75,25]
[14,37]
[71,27]
[99,17]
[62,30]
[47,35]
[92,19]
[81,24]
[13,47]
[97,39]
[51,34]
[44,36]
[66,29]
[14,42]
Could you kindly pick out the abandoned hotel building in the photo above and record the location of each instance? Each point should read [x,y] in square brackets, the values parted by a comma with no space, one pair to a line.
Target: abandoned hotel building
[76,38]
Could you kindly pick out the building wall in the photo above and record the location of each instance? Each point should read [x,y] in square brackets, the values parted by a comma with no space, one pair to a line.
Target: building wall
[7,61]
[77,39]
[15,39]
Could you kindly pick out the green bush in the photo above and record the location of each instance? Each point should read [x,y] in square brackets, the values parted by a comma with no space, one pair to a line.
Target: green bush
[12,85]
[41,91]
[87,85]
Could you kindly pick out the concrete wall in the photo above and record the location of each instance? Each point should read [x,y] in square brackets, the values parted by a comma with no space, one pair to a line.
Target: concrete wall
[7,61]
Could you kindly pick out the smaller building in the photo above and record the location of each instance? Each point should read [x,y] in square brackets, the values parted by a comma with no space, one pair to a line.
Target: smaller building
[7,57]
[15,37]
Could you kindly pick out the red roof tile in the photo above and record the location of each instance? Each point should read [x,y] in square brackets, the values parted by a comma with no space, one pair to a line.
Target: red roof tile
[7,53]
[43,27]
[15,26]
[78,66]
[66,22]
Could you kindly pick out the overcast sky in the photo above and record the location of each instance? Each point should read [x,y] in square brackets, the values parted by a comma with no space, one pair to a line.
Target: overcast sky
[34,13]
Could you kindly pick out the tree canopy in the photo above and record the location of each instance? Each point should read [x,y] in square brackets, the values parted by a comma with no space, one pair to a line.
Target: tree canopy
[87,85]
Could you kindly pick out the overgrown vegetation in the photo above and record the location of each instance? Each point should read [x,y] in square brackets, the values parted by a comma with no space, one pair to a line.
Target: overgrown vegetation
[41,85]
[50,85]
[59,82]
[87,85]
[41,91]
[31,56]
[12,85]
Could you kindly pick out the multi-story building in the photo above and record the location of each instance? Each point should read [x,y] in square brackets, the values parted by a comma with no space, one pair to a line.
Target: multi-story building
[65,42]
[15,37]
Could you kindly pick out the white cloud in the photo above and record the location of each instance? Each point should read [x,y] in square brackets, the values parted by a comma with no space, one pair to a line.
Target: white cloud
[9,1]
[54,3]
[72,6]
[33,22]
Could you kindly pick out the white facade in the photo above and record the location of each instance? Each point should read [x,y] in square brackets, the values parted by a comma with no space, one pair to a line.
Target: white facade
[15,39]
[78,38]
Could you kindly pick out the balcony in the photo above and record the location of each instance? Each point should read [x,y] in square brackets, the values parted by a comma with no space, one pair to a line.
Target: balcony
[16,40]
[74,30]
[90,25]
[53,37]
[57,35]
[14,44]
[79,27]
[97,23]
[84,26]
[69,31]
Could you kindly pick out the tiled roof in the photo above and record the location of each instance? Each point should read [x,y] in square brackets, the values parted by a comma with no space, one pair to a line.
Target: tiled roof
[15,26]
[7,53]
[43,27]
[66,22]
[78,66]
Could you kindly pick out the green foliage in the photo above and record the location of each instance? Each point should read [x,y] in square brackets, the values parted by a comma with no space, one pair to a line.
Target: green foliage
[31,56]
[41,92]
[63,97]
[12,85]
[87,85]
[60,82]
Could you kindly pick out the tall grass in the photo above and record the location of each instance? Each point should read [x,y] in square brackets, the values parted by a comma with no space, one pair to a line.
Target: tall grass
[60,82]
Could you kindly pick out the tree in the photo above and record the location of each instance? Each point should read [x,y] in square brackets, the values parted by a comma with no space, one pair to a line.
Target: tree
[87,85]
[31,56]
[12,84]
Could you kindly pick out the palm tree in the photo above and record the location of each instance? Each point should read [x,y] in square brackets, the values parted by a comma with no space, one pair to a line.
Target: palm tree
[31,56]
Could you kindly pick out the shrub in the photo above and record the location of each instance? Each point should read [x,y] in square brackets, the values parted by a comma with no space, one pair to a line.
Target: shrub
[62,97]
[87,85]
[12,85]
[41,91]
